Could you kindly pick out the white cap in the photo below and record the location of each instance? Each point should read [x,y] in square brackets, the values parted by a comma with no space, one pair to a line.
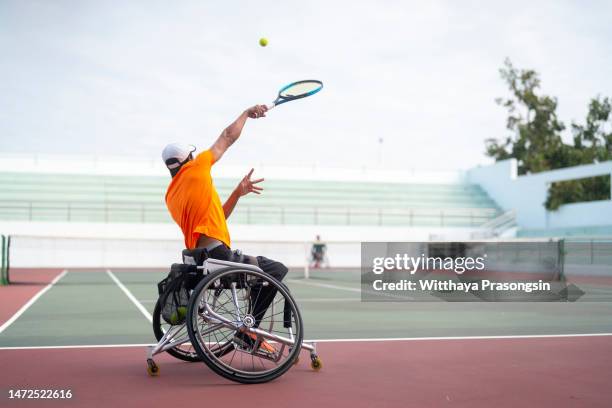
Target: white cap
[175,154]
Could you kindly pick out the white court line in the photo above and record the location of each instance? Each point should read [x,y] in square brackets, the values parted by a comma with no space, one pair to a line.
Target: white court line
[325,285]
[82,346]
[32,300]
[127,292]
[328,286]
[316,300]
[510,336]
[518,337]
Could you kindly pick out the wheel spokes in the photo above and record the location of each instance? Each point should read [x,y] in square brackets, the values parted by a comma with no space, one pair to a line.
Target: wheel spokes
[236,341]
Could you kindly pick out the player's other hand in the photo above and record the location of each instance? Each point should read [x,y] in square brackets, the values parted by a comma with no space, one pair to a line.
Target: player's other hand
[247,185]
[257,111]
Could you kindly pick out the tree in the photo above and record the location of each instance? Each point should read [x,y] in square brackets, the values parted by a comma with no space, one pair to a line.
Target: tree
[576,191]
[592,144]
[536,141]
[593,140]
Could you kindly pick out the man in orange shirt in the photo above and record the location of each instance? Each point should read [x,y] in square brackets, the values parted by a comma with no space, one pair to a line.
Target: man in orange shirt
[195,206]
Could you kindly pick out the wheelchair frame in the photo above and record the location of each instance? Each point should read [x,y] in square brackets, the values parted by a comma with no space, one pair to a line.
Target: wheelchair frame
[217,321]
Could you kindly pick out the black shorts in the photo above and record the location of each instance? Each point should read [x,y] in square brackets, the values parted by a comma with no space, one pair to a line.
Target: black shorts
[274,268]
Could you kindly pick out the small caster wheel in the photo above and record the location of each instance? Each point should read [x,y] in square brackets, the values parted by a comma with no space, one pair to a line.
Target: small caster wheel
[316,363]
[152,368]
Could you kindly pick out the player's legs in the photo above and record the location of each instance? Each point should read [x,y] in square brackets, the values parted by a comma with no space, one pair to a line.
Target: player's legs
[318,258]
[261,297]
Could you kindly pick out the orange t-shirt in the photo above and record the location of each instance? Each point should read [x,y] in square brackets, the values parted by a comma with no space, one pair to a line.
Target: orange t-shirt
[194,203]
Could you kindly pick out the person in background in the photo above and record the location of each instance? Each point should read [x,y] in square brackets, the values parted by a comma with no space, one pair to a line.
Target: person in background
[318,253]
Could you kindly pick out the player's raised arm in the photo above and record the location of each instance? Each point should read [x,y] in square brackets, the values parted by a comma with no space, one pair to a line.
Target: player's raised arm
[231,133]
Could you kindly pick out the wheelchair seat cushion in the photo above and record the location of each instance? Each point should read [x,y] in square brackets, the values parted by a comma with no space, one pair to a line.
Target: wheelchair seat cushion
[195,256]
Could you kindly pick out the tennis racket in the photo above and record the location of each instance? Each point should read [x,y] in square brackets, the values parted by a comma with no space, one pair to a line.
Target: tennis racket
[297,90]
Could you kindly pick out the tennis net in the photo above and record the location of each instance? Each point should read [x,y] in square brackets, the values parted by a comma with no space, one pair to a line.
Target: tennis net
[341,259]
[31,251]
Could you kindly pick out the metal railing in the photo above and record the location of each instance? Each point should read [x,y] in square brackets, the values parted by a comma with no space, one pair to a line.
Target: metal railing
[150,212]
[495,227]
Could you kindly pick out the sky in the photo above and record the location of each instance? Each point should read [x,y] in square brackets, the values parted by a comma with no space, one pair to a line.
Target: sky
[124,78]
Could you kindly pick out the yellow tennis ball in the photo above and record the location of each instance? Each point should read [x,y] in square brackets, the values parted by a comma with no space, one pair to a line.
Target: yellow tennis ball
[263,41]
[174,319]
[179,315]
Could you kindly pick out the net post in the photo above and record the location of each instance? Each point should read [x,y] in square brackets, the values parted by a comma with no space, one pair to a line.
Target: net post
[561,250]
[3,266]
[8,259]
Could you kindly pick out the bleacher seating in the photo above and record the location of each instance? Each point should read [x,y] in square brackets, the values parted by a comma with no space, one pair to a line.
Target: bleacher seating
[103,198]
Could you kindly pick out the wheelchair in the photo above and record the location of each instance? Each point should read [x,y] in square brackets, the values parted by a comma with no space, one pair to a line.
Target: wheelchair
[220,327]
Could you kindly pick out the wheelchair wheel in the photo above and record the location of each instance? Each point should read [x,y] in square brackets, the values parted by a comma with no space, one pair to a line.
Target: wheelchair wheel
[184,352]
[229,305]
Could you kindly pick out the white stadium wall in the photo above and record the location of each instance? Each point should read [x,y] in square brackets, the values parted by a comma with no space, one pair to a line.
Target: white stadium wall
[118,166]
[526,194]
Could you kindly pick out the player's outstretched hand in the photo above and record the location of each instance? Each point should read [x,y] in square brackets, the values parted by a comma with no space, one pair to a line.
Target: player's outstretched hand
[247,185]
[257,111]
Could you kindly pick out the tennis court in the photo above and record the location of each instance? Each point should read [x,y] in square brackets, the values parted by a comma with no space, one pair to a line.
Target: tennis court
[429,181]
[86,330]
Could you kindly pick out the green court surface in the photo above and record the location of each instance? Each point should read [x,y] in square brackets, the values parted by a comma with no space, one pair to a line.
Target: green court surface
[91,308]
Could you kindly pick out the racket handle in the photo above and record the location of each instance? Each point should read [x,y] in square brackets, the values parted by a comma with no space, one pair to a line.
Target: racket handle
[272,105]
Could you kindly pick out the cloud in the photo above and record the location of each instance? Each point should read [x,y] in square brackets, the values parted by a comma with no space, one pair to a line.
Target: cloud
[118,77]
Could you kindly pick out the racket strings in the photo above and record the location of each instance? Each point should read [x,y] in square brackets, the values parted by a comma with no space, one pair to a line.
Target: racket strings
[302,88]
